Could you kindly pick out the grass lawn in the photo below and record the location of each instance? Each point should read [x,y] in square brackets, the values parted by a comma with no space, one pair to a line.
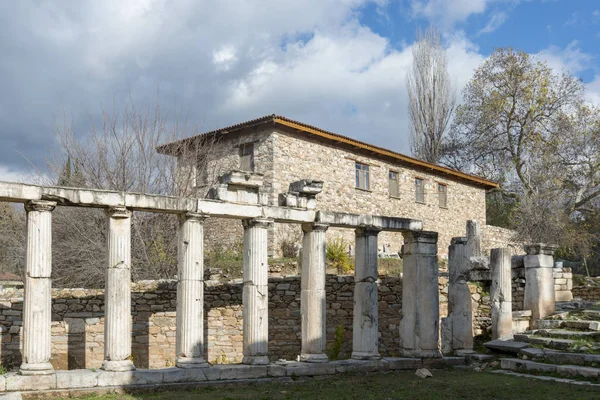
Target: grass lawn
[445,385]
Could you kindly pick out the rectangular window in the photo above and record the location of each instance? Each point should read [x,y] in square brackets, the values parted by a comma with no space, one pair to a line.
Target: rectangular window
[362,176]
[247,157]
[443,195]
[394,185]
[419,190]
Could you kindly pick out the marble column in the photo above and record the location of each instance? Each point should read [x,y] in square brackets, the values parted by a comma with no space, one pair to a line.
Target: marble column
[501,293]
[539,280]
[117,297]
[460,304]
[255,295]
[419,327]
[474,238]
[313,294]
[189,346]
[37,307]
[365,331]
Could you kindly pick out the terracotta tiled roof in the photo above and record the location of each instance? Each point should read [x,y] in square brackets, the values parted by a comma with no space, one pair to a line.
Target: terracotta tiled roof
[342,141]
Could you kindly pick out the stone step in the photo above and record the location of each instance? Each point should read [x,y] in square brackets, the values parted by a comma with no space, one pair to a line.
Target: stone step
[552,343]
[516,364]
[592,314]
[505,346]
[544,378]
[558,357]
[564,334]
[583,325]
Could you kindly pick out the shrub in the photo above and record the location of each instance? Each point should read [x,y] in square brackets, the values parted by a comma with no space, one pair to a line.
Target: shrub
[334,350]
[337,255]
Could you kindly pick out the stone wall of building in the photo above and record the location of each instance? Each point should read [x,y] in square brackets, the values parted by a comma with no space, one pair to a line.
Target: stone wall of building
[78,321]
[300,157]
[285,157]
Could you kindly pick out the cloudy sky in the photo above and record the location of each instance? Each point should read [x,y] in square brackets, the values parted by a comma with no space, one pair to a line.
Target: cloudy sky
[336,64]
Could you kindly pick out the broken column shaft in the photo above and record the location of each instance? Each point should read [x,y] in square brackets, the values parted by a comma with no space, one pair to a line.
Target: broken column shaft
[501,293]
[365,334]
[419,327]
[539,280]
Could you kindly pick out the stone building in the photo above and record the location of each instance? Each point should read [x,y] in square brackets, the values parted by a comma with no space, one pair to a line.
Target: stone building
[359,178]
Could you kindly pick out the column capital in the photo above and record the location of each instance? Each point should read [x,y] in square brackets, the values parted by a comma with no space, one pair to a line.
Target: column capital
[193,216]
[368,230]
[118,212]
[314,226]
[257,222]
[540,248]
[40,205]
[420,237]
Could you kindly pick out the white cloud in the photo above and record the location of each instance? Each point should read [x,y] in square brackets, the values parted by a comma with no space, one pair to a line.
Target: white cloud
[448,12]
[571,59]
[494,23]
[225,57]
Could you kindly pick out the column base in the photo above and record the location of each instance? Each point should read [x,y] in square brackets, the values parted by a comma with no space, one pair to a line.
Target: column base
[412,353]
[362,355]
[118,366]
[255,360]
[314,358]
[36,369]
[191,362]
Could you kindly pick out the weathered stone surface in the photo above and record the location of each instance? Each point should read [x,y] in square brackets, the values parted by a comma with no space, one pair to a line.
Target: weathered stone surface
[501,294]
[424,373]
[309,369]
[117,329]
[172,375]
[81,378]
[15,382]
[539,282]
[460,319]
[313,295]
[420,297]
[507,346]
[399,363]
[110,378]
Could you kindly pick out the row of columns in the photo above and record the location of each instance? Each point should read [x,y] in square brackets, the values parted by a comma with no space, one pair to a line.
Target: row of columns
[418,327]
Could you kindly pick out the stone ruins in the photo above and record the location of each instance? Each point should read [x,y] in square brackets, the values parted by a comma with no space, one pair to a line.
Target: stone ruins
[416,318]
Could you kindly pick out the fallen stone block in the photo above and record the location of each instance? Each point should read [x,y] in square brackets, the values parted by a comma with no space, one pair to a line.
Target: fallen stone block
[79,378]
[424,373]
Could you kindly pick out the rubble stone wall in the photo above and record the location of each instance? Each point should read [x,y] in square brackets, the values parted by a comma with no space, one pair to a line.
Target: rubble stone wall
[78,321]
[587,293]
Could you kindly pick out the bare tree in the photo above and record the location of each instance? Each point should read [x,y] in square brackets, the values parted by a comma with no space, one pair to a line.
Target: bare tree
[120,153]
[431,96]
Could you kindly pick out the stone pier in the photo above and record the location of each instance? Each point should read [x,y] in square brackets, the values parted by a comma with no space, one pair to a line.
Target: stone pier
[501,294]
[255,292]
[117,321]
[420,297]
[539,280]
[460,308]
[190,292]
[365,334]
[473,238]
[37,307]
[313,295]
